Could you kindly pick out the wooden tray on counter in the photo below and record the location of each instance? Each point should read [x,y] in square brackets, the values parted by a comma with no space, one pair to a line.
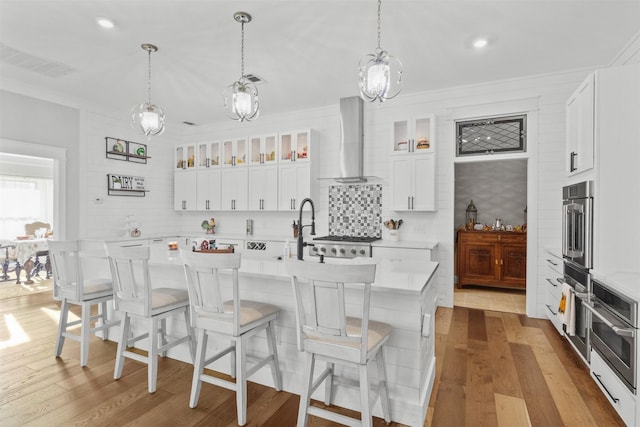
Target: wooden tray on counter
[217,251]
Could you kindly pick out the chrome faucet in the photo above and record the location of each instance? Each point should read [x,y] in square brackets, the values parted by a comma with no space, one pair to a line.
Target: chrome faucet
[301,243]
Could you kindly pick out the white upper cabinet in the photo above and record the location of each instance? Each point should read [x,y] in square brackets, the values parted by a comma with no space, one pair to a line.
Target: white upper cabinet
[580,128]
[295,146]
[185,157]
[414,135]
[233,192]
[413,183]
[234,152]
[294,184]
[208,155]
[185,191]
[263,188]
[263,150]
[208,189]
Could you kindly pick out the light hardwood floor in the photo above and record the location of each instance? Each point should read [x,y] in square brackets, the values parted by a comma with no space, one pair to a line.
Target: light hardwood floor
[493,369]
[487,298]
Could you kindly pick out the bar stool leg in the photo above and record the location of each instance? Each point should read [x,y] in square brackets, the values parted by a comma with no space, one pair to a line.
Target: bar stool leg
[153,355]
[273,350]
[305,392]
[122,345]
[85,329]
[198,367]
[365,409]
[241,381]
[62,326]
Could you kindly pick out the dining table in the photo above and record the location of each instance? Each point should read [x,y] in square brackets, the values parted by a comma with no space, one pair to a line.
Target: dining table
[27,254]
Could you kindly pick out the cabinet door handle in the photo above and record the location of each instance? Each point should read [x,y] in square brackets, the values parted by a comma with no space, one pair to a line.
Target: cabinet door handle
[501,262]
[555,264]
[184,204]
[412,200]
[615,400]
[293,156]
[572,166]
[496,261]
[551,282]
[555,313]
[409,202]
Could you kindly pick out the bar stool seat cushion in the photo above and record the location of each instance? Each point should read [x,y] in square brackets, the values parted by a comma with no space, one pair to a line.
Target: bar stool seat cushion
[378,332]
[163,297]
[97,285]
[250,311]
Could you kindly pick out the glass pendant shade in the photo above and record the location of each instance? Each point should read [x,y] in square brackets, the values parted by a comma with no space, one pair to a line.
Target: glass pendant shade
[380,73]
[241,101]
[148,119]
[241,97]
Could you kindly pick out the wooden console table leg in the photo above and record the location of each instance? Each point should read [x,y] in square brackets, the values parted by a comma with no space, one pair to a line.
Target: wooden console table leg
[47,266]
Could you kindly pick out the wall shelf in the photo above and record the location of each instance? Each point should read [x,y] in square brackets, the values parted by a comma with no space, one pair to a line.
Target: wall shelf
[126,151]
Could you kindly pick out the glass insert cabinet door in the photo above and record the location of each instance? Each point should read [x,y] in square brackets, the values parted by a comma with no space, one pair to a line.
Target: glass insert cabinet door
[208,154]
[415,135]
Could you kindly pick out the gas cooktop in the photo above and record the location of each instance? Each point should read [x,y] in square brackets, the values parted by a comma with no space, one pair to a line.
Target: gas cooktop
[348,239]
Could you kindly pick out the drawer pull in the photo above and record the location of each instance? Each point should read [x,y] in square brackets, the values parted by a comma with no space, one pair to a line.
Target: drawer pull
[555,264]
[551,283]
[555,313]
[615,400]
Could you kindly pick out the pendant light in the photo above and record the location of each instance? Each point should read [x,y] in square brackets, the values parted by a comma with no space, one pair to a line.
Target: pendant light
[380,73]
[241,97]
[146,117]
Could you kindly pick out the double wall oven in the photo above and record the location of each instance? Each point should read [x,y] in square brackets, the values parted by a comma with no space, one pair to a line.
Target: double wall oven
[577,249]
[614,331]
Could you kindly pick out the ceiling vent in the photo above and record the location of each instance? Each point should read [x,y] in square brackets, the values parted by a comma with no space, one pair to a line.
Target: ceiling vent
[254,78]
[33,63]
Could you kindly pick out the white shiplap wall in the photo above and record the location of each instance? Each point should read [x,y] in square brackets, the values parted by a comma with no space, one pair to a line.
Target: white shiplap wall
[546,93]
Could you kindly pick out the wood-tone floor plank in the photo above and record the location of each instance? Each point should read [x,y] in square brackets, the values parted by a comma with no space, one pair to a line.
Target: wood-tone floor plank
[477,326]
[542,409]
[503,367]
[479,380]
[480,403]
[511,411]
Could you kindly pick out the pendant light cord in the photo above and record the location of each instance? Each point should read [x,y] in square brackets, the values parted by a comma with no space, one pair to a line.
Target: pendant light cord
[242,50]
[379,33]
[149,78]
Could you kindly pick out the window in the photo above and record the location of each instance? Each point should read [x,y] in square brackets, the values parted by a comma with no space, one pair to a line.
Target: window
[491,136]
[24,199]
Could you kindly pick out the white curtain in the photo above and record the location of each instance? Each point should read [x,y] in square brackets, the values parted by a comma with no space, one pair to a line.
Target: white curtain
[24,200]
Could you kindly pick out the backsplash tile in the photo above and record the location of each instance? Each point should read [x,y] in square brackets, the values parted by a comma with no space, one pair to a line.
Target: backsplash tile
[355,210]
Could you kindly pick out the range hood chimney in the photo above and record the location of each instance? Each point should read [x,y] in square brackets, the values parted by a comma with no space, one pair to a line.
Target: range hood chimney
[351,141]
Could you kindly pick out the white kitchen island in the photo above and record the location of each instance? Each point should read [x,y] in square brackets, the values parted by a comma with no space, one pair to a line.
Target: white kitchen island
[403,295]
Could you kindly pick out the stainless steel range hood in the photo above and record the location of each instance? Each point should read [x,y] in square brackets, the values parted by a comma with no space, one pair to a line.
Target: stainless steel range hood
[351,142]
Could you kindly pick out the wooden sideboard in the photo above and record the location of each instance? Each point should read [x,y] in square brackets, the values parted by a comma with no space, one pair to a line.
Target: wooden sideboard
[492,258]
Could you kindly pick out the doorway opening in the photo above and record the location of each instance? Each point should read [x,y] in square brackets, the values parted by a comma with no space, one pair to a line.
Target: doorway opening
[490,253]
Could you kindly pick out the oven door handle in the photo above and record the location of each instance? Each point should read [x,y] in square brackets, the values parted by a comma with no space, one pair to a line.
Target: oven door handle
[623,332]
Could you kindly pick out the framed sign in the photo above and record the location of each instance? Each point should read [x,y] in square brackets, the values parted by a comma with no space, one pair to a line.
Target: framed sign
[126,185]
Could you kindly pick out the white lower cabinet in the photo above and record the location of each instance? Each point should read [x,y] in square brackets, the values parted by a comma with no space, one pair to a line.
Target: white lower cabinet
[185,191]
[208,190]
[263,188]
[552,286]
[614,390]
[294,184]
[233,194]
[413,183]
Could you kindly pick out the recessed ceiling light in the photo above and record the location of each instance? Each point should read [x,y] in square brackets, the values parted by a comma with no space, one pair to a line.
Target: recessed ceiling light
[105,22]
[480,43]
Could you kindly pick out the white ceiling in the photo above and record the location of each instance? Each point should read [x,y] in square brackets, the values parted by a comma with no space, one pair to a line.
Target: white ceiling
[307,51]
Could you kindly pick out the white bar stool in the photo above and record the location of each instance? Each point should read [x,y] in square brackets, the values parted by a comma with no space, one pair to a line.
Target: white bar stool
[236,319]
[134,297]
[71,287]
[326,333]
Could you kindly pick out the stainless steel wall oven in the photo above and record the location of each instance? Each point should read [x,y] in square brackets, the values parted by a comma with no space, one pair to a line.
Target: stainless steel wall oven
[580,281]
[577,223]
[614,331]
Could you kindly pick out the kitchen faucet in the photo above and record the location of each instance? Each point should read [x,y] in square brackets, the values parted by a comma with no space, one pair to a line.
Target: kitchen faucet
[301,243]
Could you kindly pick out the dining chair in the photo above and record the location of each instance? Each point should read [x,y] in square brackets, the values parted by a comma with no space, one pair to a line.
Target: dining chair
[71,287]
[326,332]
[235,319]
[135,297]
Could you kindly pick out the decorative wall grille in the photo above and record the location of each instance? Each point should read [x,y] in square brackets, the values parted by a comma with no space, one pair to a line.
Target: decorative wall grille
[491,136]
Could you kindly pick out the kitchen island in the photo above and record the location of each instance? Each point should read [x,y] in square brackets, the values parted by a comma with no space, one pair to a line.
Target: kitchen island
[403,295]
